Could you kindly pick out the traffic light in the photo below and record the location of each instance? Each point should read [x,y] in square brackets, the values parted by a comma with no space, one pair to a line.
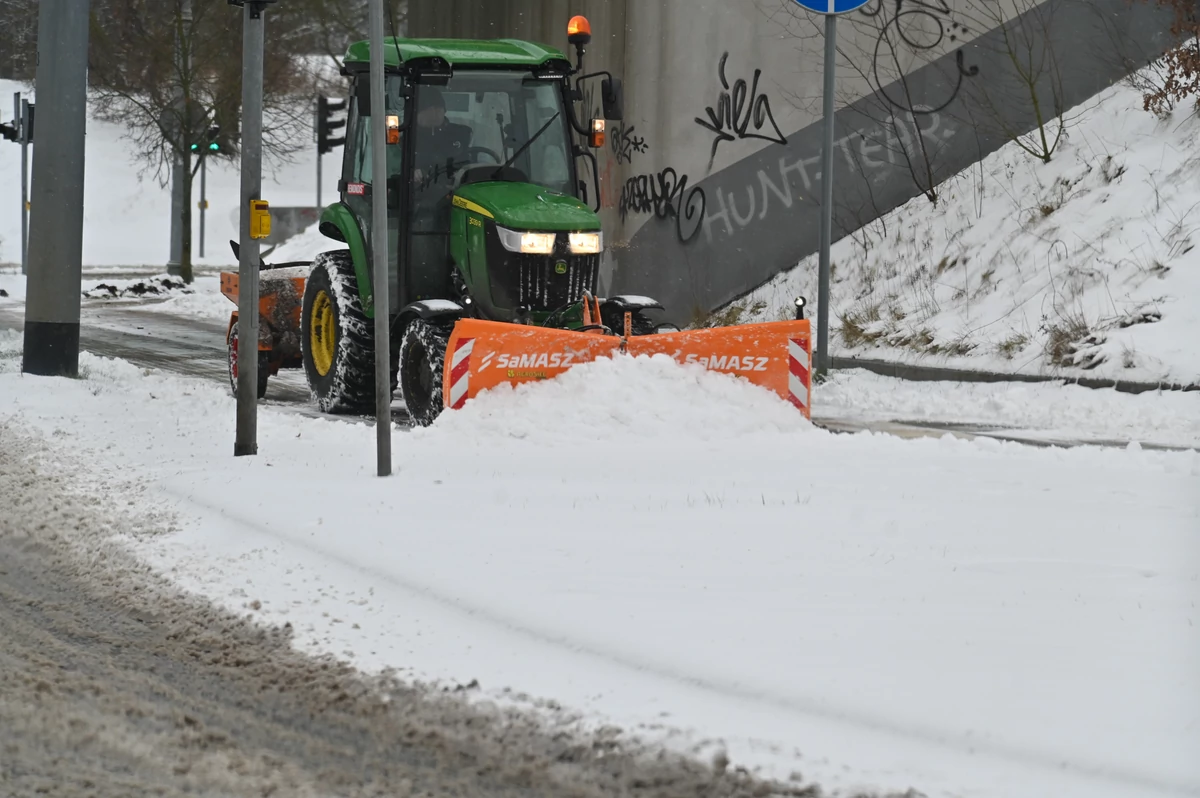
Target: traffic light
[326,125]
[13,132]
[209,142]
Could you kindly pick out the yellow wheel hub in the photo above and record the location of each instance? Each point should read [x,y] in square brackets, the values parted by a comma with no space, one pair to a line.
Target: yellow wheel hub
[322,333]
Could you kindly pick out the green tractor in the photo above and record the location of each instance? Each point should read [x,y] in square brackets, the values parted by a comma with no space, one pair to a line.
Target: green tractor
[488,218]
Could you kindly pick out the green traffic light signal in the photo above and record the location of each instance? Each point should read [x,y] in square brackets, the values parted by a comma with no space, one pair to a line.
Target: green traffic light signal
[214,146]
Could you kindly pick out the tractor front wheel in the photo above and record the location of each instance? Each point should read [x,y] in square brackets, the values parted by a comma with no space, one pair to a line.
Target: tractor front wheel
[422,357]
[337,340]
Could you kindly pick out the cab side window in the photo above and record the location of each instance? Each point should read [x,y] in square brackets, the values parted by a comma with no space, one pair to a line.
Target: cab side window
[362,150]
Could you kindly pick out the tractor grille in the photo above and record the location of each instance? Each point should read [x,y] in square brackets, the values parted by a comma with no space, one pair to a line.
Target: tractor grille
[543,288]
[535,280]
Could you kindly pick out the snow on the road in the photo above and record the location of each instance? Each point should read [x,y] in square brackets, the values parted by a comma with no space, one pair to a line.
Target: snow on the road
[1087,266]
[683,555]
[201,300]
[1045,410]
[205,301]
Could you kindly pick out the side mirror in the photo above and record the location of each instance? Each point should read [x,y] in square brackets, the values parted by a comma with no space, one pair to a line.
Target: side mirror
[612,93]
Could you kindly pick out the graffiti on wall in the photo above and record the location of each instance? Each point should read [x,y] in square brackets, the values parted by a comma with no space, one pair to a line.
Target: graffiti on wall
[912,129]
[920,27]
[739,108]
[667,195]
[872,151]
[626,143]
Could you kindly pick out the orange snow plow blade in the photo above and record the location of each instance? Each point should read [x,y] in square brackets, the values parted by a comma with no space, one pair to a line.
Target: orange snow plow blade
[483,354]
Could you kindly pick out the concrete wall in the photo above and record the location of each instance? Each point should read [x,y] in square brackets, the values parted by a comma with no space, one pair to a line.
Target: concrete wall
[710,185]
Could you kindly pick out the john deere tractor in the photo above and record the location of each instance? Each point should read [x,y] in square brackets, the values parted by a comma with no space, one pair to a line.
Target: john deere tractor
[494,243]
[489,217]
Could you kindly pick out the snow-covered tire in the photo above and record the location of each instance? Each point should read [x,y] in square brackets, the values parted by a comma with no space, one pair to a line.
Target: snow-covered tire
[422,358]
[339,355]
[264,364]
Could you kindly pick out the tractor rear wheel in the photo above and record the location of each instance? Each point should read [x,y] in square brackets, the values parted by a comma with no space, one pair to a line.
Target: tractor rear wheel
[337,340]
[264,364]
[422,357]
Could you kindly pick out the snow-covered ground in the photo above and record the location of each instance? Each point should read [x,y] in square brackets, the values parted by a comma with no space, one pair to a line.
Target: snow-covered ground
[160,293]
[681,554]
[127,215]
[1035,411]
[1087,265]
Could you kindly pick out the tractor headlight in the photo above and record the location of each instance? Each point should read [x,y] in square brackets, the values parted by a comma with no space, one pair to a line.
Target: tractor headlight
[529,243]
[586,243]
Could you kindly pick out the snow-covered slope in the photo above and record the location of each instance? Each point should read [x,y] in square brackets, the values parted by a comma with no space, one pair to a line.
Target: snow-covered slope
[1085,265]
[127,216]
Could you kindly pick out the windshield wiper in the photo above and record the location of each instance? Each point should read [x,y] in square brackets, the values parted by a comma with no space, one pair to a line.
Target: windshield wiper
[532,139]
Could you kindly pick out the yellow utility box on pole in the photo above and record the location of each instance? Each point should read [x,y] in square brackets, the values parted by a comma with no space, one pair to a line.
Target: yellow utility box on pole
[260,219]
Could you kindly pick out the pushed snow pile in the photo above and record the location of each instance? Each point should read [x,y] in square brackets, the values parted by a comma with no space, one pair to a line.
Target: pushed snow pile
[203,301]
[1088,265]
[162,285]
[625,399]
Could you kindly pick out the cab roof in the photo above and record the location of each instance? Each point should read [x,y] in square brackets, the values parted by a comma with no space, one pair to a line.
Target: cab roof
[458,52]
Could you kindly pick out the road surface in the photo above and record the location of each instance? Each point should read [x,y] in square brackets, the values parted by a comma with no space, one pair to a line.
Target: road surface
[196,347]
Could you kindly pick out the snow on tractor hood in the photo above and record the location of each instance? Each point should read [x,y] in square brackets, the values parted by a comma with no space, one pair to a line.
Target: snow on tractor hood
[525,206]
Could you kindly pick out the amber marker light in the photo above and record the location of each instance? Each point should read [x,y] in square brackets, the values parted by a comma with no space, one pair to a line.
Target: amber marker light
[579,30]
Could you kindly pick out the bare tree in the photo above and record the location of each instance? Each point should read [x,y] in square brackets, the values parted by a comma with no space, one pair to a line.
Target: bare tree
[1178,72]
[1034,83]
[18,38]
[888,41]
[329,26]
[168,80]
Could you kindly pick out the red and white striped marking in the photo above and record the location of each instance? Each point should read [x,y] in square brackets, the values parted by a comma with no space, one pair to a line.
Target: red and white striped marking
[460,372]
[799,373]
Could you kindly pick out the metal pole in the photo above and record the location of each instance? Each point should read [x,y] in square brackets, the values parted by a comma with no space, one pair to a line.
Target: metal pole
[25,138]
[316,135]
[823,359]
[51,345]
[203,197]
[253,23]
[379,247]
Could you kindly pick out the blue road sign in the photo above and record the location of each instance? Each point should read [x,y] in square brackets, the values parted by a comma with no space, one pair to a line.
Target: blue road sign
[832,6]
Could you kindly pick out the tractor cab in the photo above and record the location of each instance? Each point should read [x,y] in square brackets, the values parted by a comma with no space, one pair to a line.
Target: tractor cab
[486,204]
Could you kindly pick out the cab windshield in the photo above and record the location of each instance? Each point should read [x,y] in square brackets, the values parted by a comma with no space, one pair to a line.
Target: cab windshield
[483,120]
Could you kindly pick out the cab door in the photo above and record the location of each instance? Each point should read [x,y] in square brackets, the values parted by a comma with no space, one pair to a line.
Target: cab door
[357,187]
